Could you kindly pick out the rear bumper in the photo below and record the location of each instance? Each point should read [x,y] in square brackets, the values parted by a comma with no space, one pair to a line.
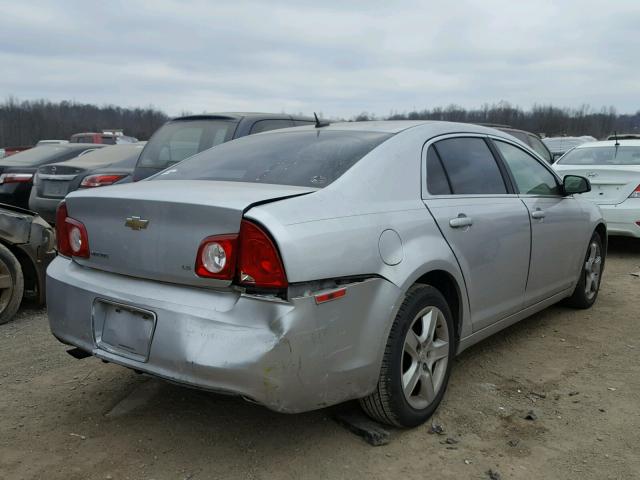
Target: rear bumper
[289,356]
[621,218]
[46,207]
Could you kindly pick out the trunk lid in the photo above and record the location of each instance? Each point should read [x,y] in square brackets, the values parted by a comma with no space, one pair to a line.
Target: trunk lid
[179,214]
[54,180]
[610,184]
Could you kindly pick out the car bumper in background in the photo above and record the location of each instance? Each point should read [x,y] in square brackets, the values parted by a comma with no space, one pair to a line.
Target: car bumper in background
[45,207]
[622,218]
[290,356]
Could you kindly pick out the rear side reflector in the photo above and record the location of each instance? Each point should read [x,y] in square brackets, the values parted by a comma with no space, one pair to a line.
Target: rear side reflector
[100,180]
[327,297]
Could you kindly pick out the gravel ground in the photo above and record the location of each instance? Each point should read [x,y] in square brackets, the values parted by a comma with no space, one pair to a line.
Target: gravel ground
[577,371]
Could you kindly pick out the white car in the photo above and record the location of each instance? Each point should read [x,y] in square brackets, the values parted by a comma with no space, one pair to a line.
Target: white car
[613,168]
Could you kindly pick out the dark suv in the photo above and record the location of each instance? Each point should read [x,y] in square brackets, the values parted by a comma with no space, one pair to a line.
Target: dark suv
[185,136]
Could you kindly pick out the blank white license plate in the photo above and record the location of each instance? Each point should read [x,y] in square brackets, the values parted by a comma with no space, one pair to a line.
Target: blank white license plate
[123,329]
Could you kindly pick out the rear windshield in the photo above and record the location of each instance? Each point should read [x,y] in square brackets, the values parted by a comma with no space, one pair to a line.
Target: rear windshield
[306,158]
[42,154]
[178,140]
[602,156]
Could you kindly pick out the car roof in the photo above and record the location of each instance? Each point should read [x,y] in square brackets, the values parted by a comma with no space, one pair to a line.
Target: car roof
[610,143]
[436,127]
[240,115]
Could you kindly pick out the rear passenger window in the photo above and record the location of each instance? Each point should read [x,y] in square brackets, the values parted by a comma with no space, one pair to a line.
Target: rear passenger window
[266,125]
[470,167]
[437,183]
[530,176]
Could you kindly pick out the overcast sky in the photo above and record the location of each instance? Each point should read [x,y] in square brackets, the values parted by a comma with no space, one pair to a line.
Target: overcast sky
[336,57]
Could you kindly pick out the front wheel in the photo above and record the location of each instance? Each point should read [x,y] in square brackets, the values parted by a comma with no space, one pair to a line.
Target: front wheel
[417,361]
[586,291]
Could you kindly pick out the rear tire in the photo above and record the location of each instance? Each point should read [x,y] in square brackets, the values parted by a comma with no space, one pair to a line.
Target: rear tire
[11,285]
[588,286]
[417,361]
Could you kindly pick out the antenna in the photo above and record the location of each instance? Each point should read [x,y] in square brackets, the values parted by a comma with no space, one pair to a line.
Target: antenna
[320,123]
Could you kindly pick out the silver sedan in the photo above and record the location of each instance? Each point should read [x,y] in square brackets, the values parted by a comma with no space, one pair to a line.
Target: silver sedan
[305,267]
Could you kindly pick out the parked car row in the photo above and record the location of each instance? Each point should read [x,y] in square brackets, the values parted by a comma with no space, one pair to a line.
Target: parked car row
[561,145]
[40,177]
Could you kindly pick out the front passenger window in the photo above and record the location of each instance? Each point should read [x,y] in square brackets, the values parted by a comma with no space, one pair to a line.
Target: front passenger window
[530,176]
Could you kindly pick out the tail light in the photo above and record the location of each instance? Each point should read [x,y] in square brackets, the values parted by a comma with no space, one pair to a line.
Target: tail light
[16,177]
[259,263]
[217,256]
[635,193]
[71,234]
[250,257]
[100,180]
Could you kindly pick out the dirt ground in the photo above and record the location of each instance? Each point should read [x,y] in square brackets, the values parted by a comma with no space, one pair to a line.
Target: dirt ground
[579,371]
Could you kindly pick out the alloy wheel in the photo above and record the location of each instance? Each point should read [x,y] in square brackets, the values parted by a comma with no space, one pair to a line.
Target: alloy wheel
[592,269]
[425,357]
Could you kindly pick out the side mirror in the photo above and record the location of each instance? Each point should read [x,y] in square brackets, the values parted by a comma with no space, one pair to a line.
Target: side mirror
[575,184]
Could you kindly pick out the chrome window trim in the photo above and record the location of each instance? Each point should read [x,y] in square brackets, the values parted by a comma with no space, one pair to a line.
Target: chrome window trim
[423,170]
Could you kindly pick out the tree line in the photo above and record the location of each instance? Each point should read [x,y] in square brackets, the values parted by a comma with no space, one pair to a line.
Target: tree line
[26,122]
[23,123]
[542,119]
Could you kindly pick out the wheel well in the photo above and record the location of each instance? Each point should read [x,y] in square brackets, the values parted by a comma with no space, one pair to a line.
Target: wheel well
[446,284]
[601,229]
[29,271]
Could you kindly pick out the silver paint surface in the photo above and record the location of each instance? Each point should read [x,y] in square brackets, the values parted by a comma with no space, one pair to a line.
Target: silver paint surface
[294,355]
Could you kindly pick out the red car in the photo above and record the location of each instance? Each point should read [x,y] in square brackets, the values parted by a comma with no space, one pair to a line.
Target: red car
[109,137]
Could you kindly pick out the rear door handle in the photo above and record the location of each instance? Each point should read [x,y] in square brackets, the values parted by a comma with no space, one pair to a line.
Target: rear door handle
[538,214]
[460,221]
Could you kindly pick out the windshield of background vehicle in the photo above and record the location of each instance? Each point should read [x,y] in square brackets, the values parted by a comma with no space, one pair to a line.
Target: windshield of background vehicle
[180,139]
[310,158]
[602,156]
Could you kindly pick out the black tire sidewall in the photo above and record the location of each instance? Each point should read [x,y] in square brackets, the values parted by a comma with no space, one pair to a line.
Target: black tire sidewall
[15,270]
[579,297]
[420,298]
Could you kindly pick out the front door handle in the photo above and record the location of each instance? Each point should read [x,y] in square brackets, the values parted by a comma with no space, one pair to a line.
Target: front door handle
[538,214]
[460,221]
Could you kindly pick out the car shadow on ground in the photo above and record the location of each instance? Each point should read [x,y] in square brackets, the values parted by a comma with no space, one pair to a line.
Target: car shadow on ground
[624,245]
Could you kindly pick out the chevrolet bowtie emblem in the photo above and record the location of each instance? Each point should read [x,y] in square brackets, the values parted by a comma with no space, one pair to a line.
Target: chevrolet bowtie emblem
[136,223]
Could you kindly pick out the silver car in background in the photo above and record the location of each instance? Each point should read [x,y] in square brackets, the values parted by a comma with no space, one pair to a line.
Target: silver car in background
[305,267]
[613,168]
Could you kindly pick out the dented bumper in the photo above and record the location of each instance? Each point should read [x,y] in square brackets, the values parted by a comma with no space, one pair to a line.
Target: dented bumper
[290,356]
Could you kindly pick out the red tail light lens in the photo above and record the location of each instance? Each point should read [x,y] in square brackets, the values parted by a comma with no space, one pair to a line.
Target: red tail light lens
[635,193]
[16,177]
[71,234]
[259,263]
[251,257]
[100,180]
[217,257]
